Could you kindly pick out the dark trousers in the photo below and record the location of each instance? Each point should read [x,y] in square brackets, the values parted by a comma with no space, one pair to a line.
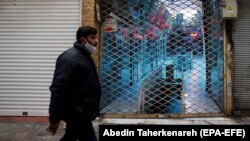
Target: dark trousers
[81,130]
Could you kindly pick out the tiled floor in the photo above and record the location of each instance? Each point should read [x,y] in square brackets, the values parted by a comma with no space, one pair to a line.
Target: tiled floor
[194,97]
[18,131]
[30,131]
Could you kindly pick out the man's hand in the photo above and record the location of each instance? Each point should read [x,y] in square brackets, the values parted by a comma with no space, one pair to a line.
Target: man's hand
[53,127]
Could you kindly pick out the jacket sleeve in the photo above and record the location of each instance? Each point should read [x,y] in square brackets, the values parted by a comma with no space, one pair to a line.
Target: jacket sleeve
[64,75]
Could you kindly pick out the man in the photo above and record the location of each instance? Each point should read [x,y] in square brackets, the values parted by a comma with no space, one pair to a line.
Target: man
[75,90]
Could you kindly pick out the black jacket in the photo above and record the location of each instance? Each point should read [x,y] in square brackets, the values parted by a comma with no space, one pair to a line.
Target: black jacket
[75,90]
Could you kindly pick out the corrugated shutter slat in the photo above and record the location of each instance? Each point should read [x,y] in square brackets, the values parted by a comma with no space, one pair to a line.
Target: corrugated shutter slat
[242,58]
[32,34]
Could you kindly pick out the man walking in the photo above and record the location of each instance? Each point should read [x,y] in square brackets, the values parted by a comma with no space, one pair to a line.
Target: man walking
[75,89]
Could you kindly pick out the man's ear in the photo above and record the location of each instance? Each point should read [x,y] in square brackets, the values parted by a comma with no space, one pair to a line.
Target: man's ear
[83,40]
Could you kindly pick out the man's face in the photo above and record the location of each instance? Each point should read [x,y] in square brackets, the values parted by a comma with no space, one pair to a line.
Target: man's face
[92,39]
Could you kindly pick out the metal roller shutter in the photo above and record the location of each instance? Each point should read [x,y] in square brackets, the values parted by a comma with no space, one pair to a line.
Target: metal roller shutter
[32,34]
[242,59]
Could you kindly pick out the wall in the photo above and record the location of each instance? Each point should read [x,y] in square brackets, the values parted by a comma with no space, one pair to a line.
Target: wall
[88,13]
[89,18]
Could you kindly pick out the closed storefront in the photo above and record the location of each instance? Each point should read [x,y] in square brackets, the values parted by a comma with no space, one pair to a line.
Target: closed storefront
[32,34]
[162,57]
[241,58]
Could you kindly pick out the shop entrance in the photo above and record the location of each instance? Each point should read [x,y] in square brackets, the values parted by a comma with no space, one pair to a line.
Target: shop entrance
[161,56]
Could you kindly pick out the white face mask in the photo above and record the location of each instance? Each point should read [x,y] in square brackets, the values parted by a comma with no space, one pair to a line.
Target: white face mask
[90,47]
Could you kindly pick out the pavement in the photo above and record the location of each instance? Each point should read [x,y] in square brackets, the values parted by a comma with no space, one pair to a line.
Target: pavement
[35,131]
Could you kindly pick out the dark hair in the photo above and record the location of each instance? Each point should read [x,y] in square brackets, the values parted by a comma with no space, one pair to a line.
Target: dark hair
[85,31]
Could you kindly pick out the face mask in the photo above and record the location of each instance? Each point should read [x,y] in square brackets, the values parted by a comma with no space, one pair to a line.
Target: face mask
[91,49]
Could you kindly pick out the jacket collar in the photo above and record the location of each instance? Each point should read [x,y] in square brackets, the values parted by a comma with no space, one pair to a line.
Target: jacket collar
[81,48]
